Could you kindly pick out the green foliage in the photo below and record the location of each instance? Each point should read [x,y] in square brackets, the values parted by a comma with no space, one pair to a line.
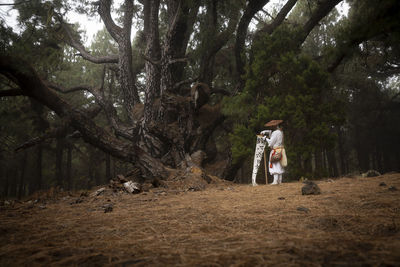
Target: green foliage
[243,140]
[297,91]
[7,38]
[238,108]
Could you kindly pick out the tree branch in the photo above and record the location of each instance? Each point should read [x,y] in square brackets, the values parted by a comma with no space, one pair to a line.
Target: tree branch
[83,53]
[267,13]
[154,62]
[55,132]
[105,14]
[251,9]
[177,60]
[105,104]
[323,9]
[61,89]
[357,31]
[270,28]
[91,133]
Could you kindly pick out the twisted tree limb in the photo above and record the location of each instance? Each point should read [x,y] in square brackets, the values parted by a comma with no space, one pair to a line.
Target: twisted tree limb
[60,131]
[34,87]
[72,41]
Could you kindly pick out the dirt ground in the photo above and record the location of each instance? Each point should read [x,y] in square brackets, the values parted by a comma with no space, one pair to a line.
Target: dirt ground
[354,222]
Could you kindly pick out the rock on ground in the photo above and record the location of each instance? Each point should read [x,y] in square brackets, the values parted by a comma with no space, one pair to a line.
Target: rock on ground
[310,188]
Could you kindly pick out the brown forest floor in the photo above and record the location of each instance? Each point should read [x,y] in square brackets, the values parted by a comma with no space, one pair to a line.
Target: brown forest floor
[354,222]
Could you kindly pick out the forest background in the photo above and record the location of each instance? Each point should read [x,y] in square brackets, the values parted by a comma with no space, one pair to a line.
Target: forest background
[194,86]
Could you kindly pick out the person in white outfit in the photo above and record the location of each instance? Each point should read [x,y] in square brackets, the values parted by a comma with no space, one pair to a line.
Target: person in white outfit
[275,142]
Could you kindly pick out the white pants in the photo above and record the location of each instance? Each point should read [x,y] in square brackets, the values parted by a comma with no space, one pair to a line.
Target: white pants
[277,179]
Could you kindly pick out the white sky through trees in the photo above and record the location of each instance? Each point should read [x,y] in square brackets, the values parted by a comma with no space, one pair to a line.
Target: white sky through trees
[91,25]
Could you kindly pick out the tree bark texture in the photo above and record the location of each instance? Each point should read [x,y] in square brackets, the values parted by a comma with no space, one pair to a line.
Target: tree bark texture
[182,16]
[122,37]
[153,51]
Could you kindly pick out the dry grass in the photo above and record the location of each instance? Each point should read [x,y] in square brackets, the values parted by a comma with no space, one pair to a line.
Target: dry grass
[353,222]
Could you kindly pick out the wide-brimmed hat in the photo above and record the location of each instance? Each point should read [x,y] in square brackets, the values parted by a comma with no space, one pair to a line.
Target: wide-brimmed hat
[273,123]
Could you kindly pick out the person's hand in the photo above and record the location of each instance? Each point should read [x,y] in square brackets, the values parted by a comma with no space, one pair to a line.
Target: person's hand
[266,133]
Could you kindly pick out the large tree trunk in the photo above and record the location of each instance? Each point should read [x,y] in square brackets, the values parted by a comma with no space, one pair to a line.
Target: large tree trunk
[153,53]
[168,115]
[123,37]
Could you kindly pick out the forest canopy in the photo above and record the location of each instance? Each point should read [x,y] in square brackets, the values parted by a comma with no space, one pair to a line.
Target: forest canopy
[193,86]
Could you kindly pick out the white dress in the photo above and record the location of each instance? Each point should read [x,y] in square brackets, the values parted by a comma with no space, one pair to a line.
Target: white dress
[275,141]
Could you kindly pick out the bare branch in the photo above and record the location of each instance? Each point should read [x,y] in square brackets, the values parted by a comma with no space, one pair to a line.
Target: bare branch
[267,13]
[105,14]
[279,18]
[105,104]
[177,60]
[259,20]
[154,62]
[83,53]
[55,132]
[323,9]
[61,89]
[30,82]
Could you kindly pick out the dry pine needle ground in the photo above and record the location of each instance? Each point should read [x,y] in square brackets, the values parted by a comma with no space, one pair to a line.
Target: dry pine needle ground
[354,222]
